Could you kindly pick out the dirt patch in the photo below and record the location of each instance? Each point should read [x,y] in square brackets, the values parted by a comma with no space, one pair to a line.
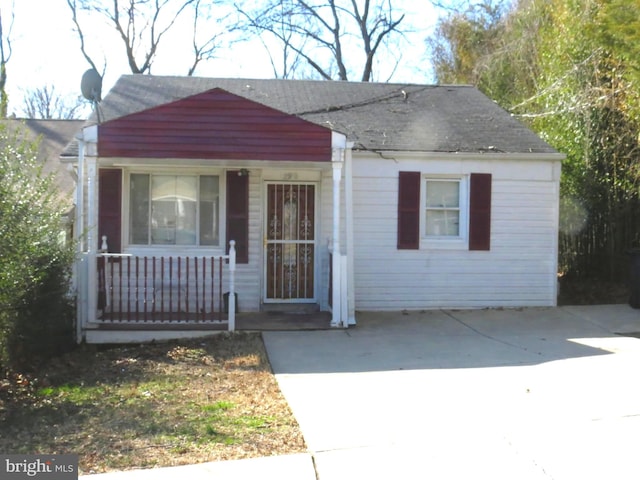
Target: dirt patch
[150,406]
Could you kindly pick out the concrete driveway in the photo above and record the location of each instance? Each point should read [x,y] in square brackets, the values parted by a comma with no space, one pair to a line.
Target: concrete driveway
[541,393]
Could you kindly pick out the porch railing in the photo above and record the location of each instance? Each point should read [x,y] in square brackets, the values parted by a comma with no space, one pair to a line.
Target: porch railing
[165,289]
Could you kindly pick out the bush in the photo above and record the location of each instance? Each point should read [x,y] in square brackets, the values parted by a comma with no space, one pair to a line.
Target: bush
[36,310]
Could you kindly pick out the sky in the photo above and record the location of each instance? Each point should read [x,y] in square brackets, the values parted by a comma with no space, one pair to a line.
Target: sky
[46,50]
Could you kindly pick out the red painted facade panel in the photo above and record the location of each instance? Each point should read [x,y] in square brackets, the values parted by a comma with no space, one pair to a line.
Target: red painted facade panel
[214,125]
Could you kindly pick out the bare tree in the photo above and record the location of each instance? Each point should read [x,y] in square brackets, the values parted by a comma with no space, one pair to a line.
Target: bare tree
[5,56]
[205,46]
[286,61]
[322,32]
[46,103]
[142,25]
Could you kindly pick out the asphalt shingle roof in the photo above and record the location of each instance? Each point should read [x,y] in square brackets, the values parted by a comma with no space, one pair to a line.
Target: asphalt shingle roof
[375,116]
[53,136]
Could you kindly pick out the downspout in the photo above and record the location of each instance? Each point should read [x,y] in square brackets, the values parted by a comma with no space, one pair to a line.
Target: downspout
[557,171]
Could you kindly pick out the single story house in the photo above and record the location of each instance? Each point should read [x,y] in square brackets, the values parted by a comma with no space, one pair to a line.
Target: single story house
[331,196]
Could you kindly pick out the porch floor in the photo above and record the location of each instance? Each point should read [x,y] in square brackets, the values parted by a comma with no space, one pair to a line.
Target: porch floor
[255,321]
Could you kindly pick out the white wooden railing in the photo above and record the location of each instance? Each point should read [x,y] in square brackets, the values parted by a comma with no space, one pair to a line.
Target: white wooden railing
[158,290]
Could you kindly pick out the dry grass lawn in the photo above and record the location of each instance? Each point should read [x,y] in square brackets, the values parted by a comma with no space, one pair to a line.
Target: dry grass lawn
[152,405]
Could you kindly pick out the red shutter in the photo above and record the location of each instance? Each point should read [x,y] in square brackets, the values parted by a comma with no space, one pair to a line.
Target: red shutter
[480,212]
[110,208]
[238,214]
[409,211]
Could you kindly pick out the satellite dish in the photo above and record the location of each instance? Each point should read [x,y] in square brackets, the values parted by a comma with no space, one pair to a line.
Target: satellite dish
[91,85]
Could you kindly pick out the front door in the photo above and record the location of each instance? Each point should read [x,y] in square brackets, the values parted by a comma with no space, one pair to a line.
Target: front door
[290,242]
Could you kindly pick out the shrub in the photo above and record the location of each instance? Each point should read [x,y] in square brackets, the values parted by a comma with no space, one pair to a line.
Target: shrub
[36,310]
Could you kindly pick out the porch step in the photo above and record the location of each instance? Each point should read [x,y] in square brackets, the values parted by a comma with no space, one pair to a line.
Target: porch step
[291,308]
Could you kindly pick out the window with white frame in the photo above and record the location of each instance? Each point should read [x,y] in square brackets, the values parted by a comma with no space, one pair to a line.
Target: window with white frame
[167,209]
[444,211]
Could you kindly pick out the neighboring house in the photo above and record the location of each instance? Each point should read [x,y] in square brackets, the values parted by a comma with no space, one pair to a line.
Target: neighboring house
[344,196]
[51,137]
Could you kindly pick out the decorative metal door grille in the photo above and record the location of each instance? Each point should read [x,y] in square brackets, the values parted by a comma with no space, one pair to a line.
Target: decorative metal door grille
[290,242]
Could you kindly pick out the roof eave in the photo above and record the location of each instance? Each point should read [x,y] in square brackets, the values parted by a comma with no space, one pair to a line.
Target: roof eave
[486,155]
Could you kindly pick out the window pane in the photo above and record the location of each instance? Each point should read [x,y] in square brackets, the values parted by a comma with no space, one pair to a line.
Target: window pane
[173,210]
[139,210]
[443,194]
[443,222]
[442,208]
[169,207]
[209,205]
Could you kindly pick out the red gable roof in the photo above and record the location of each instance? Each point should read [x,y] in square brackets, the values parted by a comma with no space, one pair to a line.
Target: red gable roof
[214,125]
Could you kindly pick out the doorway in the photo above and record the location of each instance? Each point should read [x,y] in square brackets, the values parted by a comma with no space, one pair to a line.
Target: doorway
[290,243]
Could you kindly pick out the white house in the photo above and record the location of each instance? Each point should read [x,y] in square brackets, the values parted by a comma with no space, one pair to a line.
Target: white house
[340,196]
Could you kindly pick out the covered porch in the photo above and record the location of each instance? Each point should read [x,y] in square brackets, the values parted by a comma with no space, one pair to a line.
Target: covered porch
[133,290]
[143,299]
[128,297]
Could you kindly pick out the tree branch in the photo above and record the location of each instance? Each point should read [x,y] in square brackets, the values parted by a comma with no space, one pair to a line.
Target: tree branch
[5,56]
[74,15]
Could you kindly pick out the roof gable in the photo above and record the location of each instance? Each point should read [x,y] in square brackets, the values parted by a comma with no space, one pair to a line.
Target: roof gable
[214,124]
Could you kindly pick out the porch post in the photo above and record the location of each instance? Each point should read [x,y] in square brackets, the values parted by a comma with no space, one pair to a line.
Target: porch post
[350,307]
[232,286]
[90,153]
[92,241]
[80,263]
[336,307]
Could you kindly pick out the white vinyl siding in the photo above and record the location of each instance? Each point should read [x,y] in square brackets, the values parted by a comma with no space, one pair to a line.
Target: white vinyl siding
[519,270]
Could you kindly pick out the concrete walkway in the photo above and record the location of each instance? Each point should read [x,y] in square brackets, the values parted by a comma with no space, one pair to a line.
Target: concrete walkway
[493,394]
[540,393]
